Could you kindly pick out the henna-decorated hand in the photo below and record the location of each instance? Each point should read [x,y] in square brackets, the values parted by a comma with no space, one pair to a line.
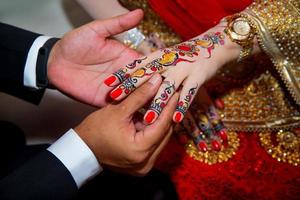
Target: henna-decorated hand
[190,63]
[205,126]
[80,61]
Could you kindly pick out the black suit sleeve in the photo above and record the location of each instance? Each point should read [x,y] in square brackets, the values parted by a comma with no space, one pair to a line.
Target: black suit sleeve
[14,47]
[43,177]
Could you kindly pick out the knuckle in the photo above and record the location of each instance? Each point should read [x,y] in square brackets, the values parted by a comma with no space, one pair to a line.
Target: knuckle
[122,108]
[143,91]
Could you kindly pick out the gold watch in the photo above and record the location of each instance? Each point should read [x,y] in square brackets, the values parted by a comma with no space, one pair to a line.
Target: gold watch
[241,30]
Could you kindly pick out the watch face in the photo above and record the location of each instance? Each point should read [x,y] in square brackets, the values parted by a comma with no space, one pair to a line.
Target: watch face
[241,27]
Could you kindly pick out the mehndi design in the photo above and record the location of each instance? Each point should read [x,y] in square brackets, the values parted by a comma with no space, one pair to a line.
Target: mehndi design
[169,57]
[184,104]
[160,101]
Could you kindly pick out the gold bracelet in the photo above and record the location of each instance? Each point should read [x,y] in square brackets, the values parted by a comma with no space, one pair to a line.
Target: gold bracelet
[241,30]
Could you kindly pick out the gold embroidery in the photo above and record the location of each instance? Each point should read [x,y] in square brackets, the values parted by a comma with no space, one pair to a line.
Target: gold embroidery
[287,148]
[213,157]
[260,103]
[279,36]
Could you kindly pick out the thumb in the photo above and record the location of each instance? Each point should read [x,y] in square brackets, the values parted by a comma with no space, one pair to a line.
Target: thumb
[141,96]
[115,25]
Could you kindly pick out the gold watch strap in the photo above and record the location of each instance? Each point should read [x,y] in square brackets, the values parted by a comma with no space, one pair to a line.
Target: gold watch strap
[245,37]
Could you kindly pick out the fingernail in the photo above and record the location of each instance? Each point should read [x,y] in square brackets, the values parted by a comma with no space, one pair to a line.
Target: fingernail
[116,93]
[155,79]
[110,80]
[178,116]
[216,145]
[219,103]
[202,146]
[223,135]
[150,117]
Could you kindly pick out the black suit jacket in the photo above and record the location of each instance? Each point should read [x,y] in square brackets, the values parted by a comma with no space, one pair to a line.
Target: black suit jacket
[44,176]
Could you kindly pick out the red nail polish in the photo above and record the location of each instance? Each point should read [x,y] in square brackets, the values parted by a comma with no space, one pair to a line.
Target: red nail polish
[110,80]
[116,93]
[223,135]
[202,146]
[178,117]
[219,103]
[149,117]
[216,145]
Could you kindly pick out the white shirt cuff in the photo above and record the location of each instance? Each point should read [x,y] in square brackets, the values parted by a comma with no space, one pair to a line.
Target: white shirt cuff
[30,65]
[77,157]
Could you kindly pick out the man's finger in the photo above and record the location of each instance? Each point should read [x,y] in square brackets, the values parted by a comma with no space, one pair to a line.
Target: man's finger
[118,24]
[160,147]
[142,95]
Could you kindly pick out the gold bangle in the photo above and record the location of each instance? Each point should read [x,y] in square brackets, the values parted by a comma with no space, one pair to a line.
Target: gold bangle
[241,30]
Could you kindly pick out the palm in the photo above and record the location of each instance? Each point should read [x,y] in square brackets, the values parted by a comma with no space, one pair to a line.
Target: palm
[83,58]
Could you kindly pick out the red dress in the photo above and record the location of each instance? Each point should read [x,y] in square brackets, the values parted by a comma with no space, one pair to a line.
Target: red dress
[250,174]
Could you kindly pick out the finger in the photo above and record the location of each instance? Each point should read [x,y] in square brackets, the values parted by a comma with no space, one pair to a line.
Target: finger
[165,92]
[160,147]
[141,96]
[208,130]
[213,115]
[187,95]
[118,24]
[195,133]
[169,57]
[154,133]
[144,167]
[216,122]
[136,77]
[122,74]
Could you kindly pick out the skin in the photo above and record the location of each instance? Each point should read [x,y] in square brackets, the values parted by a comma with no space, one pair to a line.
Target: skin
[112,8]
[77,66]
[123,143]
[209,52]
[97,11]
[85,56]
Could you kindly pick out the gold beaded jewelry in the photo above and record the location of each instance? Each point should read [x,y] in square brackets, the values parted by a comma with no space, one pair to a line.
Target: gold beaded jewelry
[241,30]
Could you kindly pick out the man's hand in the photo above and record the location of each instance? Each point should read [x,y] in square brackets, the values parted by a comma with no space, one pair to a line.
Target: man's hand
[80,61]
[121,142]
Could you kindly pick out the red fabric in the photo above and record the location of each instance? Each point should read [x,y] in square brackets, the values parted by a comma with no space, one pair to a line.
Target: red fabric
[189,18]
[251,173]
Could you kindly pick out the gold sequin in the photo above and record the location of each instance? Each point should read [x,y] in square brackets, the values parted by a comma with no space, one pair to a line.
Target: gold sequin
[285,149]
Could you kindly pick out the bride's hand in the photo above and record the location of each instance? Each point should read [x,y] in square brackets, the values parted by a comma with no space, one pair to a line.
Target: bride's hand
[190,63]
[204,125]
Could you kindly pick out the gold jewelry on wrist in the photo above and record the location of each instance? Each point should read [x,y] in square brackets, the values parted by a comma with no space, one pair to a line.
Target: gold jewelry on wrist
[133,38]
[241,30]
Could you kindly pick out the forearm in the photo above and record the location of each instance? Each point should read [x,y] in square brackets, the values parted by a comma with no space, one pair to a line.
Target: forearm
[221,50]
[103,9]
[42,177]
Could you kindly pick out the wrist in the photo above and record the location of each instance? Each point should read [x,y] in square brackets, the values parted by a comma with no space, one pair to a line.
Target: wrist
[51,65]
[42,63]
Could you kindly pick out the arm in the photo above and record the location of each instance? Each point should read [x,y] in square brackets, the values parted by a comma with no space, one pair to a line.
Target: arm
[42,177]
[190,63]
[135,39]
[15,47]
[97,10]
[119,143]
[63,62]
